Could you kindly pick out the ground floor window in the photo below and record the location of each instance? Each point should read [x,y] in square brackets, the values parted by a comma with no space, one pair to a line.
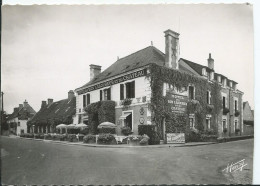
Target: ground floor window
[224,124]
[22,131]
[192,120]
[236,125]
[208,122]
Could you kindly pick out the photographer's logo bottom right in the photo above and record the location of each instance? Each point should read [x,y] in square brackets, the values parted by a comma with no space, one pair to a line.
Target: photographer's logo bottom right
[233,167]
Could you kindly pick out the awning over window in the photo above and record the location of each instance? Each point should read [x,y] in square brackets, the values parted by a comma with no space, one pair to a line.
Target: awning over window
[124,116]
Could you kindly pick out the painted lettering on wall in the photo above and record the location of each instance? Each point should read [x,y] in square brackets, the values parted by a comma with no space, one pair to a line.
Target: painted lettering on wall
[177,103]
[121,79]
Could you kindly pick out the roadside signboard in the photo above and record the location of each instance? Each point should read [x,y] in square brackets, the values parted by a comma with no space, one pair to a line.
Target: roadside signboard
[175,137]
[177,103]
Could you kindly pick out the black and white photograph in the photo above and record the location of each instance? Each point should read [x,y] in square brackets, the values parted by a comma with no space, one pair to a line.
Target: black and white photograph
[127,94]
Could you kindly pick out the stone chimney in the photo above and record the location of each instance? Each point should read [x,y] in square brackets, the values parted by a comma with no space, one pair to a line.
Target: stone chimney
[50,101]
[44,104]
[172,49]
[20,106]
[70,94]
[210,62]
[25,103]
[16,109]
[94,71]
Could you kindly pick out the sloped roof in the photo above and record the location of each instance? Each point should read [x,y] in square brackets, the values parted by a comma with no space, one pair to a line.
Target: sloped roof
[133,61]
[14,114]
[195,66]
[58,112]
[24,113]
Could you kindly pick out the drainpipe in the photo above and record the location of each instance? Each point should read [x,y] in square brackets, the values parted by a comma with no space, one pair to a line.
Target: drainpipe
[229,113]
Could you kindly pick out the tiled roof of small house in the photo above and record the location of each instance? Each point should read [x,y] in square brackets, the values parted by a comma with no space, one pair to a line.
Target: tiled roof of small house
[133,61]
[56,113]
[23,113]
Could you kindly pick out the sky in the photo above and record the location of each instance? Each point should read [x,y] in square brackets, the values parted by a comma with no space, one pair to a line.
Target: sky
[47,50]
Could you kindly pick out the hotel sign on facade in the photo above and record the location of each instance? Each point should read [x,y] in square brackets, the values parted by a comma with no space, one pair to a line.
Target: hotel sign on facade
[177,103]
[120,79]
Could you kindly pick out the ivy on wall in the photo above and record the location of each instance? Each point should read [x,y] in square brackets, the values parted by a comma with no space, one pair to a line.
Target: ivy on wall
[199,107]
[99,112]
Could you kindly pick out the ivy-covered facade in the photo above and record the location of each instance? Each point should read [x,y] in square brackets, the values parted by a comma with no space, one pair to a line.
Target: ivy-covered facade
[176,95]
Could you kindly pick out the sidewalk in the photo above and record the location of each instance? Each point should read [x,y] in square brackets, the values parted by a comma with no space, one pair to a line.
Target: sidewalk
[119,145]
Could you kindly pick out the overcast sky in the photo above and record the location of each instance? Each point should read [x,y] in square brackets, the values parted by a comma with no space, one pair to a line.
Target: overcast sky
[47,50]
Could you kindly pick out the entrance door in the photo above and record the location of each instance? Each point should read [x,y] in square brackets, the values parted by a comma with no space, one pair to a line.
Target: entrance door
[128,121]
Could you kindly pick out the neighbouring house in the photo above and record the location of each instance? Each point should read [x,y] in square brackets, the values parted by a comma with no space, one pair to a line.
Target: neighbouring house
[17,121]
[52,114]
[162,89]
[248,119]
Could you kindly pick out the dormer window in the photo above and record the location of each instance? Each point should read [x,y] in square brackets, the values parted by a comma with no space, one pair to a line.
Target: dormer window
[204,72]
[231,84]
[219,79]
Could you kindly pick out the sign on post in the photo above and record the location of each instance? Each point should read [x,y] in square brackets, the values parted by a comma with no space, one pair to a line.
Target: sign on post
[175,137]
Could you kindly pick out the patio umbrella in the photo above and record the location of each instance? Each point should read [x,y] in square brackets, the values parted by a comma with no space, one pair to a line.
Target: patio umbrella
[106,125]
[81,125]
[61,126]
[71,126]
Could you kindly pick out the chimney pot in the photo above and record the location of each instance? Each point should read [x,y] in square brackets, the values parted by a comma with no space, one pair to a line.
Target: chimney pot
[50,101]
[44,104]
[171,49]
[94,71]
[70,94]
[210,62]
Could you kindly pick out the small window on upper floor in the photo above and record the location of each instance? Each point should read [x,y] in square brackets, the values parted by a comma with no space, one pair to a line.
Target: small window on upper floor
[208,97]
[191,92]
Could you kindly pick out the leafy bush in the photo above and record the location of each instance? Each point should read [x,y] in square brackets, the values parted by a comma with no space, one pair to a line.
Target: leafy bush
[237,131]
[126,131]
[107,130]
[84,131]
[106,139]
[47,136]
[149,130]
[209,132]
[39,136]
[225,130]
[89,139]
[27,135]
[192,135]
[205,137]
[225,111]
[72,137]
[144,141]
[237,113]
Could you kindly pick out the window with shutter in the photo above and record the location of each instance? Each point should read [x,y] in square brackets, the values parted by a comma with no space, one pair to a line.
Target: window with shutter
[88,99]
[100,92]
[84,100]
[109,94]
[127,90]
[121,91]
[133,89]
[224,102]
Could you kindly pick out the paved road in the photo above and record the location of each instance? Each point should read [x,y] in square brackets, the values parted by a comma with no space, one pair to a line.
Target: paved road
[37,162]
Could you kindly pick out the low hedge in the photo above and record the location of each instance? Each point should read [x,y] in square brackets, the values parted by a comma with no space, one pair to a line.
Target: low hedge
[107,130]
[27,135]
[72,138]
[149,130]
[39,136]
[107,139]
[89,139]
[126,131]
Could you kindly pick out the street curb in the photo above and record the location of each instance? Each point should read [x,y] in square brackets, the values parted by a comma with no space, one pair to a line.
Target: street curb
[117,146]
